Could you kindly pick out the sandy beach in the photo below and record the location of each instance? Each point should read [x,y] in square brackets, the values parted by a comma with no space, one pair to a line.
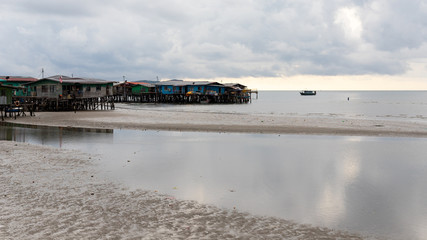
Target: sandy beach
[50,193]
[224,122]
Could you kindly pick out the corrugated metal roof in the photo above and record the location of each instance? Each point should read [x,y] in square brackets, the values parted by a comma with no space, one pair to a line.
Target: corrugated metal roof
[234,85]
[179,83]
[18,79]
[135,83]
[147,81]
[66,79]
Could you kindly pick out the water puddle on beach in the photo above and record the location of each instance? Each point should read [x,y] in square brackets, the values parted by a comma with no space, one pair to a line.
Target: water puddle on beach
[367,185]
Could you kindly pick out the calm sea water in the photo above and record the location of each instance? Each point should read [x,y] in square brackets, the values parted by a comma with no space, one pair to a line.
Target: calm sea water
[396,105]
[369,185]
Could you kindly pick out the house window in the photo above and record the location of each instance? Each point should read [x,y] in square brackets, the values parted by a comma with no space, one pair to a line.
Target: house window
[44,89]
[98,88]
[52,88]
[88,89]
[2,93]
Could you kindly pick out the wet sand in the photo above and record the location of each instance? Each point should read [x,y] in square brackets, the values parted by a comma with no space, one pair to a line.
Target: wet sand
[224,122]
[49,193]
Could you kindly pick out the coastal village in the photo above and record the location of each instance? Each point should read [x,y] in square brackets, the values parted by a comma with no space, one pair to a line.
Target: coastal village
[21,95]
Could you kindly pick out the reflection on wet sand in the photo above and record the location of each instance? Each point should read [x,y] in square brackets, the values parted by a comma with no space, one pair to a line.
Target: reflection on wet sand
[45,134]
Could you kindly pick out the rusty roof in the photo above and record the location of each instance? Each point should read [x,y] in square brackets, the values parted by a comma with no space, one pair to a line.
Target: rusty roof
[179,83]
[18,79]
[66,79]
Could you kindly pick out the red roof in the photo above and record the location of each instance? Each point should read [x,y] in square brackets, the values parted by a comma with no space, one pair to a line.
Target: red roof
[138,83]
[18,79]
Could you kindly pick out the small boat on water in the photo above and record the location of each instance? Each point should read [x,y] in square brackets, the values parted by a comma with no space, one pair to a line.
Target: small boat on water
[307,93]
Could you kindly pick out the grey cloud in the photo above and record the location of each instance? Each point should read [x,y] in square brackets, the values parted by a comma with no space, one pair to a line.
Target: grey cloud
[393,25]
[206,39]
[48,8]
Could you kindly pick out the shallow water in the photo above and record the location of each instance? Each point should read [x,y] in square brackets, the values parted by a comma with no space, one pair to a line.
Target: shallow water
[368,185]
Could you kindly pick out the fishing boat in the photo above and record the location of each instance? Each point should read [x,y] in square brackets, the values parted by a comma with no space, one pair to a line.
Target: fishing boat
[307,93]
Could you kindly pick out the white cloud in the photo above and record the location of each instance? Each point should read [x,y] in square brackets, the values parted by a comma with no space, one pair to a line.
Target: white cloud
[349,20]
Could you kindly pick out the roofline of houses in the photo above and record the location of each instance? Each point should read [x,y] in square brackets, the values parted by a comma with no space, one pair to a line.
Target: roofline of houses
[180,83]
[73,80]
[78,80]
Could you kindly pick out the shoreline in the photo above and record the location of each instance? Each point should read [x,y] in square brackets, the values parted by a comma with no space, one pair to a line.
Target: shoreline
[225,122]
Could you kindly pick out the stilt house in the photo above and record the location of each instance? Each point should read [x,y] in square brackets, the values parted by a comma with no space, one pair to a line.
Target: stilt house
[189,87]
[69,88]
[133,88]
[6,93]
[17,81]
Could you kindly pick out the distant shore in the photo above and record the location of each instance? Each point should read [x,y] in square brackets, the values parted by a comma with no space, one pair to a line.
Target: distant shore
[225,122]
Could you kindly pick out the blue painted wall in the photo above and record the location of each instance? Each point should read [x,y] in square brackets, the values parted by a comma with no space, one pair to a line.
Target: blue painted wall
[166,89]
[169,89]
[196,88]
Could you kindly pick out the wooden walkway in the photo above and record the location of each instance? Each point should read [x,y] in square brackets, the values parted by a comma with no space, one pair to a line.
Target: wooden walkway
[186,98]
[13,111]
[36,104]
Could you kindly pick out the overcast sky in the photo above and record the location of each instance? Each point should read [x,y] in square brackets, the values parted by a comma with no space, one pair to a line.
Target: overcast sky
[213,39]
